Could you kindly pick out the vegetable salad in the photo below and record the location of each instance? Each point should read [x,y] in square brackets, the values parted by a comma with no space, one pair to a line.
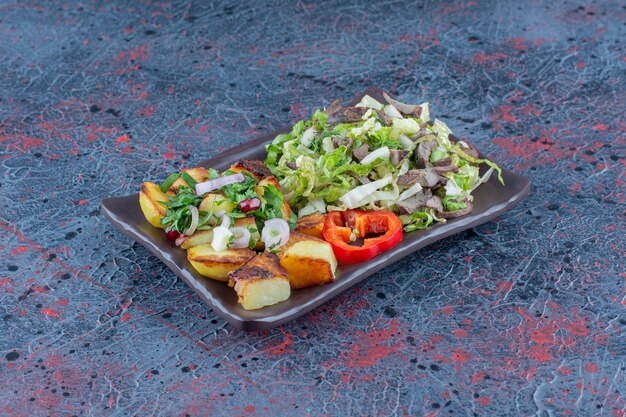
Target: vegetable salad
[381,157]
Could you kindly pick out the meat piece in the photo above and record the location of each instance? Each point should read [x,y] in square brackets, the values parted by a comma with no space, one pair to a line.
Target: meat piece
[445,168]
[348,114]
[256,168]
[396,156]
[333,107]
[361,152]
[427,178]
[337,142]
[442,162]
[406,109]
[424,150]
[292,165]
[469,149]
[457,213]
[421,133]
[415,203]
[434,202]
[386,119]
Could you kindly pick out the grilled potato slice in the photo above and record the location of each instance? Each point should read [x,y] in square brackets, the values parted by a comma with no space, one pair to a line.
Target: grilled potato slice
[200,174]
[285,209]
[260,282]
[309,261]
[256,168]
[216,201]
[312,224]
[217,265]
[149,198]
[201,237]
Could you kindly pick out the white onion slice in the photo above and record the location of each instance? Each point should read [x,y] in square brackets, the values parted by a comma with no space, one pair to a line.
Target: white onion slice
[221,238]
[216,184]
[226,220]
[275,233]
[242,238]
[195,216]
[380,153]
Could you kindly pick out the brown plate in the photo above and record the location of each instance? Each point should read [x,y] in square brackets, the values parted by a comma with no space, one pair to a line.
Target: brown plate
[490,200]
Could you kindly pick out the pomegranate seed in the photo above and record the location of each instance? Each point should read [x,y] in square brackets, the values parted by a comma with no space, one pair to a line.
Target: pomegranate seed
[171,234]
[249,205]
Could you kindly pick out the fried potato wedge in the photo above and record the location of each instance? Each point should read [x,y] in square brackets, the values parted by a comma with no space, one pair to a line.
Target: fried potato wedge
[201,237]
[200,174]
[217,265]
[149,198]
[260,282]
[312,224]
[309,261]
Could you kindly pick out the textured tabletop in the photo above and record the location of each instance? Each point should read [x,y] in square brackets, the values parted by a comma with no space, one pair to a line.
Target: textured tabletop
[523,316]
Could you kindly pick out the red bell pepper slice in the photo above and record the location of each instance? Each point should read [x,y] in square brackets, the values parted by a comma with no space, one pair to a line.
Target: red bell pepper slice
[341,227]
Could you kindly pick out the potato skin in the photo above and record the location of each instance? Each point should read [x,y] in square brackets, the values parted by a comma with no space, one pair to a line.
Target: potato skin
[149,198]
[312,224]
[217,265]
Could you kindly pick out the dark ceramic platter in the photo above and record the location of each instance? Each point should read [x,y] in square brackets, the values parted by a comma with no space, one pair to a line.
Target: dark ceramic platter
[490,200]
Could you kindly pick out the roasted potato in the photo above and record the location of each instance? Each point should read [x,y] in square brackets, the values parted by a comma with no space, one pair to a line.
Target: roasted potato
[256,168]
[201,237]
[216,201]
[286,210]
[200,174]
[217,265]
[308,261]
[260,282]
[149,198]
[312,224]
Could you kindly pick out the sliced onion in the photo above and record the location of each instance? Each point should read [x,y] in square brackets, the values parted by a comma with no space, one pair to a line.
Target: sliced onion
[221,238]
[380,153]
[180,239]
[242,238]
[275,233]
[226,220]
[352,199]
[195,216]
[216,184]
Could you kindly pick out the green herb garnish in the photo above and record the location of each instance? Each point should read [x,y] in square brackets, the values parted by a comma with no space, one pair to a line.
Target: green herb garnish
[189,179]
[169,181]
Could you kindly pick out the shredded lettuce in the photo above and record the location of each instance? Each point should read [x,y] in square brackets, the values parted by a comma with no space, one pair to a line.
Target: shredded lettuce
[317,170]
